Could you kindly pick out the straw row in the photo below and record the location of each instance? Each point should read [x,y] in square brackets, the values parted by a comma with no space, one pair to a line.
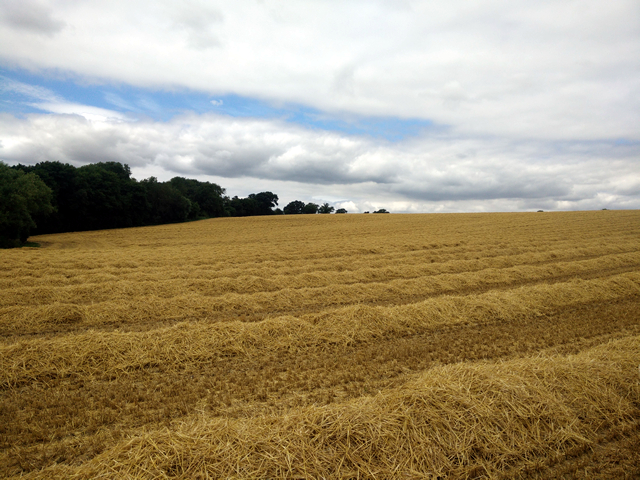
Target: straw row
[104,287]
[191,345]
[266,320]
[459,421]
[63,269]
[39,309]
[222,242]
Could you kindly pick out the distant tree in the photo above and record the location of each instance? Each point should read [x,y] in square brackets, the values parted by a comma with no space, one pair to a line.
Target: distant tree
[294,208]
[325,208]
[62,180]
[382,210]
[166,203]
[207,199]
[107,197]
[255,204]
[95,196]
[310,208]
[341,210]
[277,211]
[266,201]
[243,207]
[22,196]
[366,212]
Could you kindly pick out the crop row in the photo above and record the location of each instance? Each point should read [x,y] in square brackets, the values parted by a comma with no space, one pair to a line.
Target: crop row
[30,310]
[116,353]
[366,268]
[463,420]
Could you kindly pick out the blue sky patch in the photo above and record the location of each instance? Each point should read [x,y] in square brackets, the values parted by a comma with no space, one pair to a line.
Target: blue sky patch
[21,92]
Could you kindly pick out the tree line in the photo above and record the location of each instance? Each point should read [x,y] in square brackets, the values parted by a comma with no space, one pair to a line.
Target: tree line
[52,197]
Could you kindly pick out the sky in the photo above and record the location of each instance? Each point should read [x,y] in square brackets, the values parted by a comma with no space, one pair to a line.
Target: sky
[412,106]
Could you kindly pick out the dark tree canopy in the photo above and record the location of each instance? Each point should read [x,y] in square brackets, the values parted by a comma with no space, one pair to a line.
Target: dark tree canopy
[63,182]
[166,204]
[297,207]
[103,195]
[207,199]
[310,208]
[242,207]
[95,196]
[255,204]
[343,210]
[325,208]
[22,197]
[266,202]
[382,210]
[57,197]
[104,192]
[294,208]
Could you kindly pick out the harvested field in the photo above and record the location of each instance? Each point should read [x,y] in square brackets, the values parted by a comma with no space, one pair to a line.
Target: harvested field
[335,346]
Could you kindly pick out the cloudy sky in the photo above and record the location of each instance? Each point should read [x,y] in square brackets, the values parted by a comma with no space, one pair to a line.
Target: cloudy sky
[412,106]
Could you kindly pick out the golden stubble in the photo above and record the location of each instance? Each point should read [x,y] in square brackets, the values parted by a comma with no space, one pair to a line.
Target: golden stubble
[312,346]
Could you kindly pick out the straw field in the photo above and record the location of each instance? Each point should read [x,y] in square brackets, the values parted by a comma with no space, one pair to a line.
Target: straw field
[326,346]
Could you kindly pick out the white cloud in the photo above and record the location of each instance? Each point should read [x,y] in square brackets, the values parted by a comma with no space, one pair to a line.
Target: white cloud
[198,20]
[350,207]
[529,96]
[46,100]
[527,69]
[30,16]
[86,111]
[437,173]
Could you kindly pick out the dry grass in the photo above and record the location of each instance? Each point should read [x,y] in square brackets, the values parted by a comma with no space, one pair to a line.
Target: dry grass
[394,346]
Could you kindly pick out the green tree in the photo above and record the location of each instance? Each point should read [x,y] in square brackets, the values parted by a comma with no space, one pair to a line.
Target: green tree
[105,192]
[294,208]
[92,197]
[207,199]
[242,207]
[325,208]
[167,205]
[382,210]
[22,196]
[342,210]
[310,208]
[266,201]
